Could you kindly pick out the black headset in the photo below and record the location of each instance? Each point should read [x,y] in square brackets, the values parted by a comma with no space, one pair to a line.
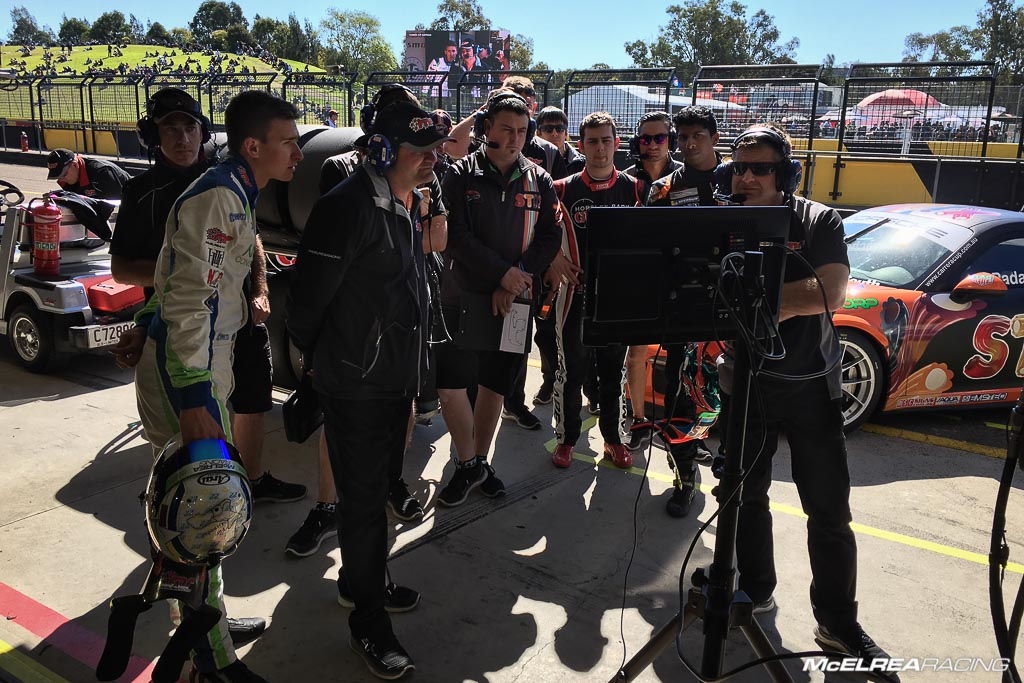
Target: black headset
[149,134]
[369,110]
[483,116]
[787,172]
[673,137]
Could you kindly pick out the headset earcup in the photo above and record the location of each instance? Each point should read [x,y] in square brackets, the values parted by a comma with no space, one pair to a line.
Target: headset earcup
[366,114]
[379,152]
[634,147]
[148,135]
[793,175]
[207,129]
[531,129]
[673,139]
[478,123]
[723,177]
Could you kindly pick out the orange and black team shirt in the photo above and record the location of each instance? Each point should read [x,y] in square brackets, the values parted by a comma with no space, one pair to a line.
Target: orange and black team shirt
[579,192]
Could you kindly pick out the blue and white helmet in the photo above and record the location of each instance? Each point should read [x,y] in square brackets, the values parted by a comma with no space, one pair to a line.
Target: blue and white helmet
[198,501]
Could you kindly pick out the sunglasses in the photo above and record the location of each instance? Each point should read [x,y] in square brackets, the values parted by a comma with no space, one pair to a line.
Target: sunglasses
[758,168]
[552,129]
[659,139]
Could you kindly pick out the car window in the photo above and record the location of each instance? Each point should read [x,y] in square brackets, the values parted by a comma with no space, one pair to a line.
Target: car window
[1004,260]
[900,252]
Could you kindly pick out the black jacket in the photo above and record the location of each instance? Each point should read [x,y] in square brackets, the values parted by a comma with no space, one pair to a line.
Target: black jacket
[358,303]
[489,224]
[101,180]
[683,187]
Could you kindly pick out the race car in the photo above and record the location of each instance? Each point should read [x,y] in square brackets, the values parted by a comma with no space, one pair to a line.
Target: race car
[934,312]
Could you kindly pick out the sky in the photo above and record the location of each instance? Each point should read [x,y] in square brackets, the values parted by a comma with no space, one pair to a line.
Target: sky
[571,34]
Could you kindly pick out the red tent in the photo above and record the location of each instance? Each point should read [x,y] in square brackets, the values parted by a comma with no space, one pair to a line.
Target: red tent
[913,99]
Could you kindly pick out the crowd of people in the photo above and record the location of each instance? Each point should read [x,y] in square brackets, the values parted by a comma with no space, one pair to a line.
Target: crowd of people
[428,238]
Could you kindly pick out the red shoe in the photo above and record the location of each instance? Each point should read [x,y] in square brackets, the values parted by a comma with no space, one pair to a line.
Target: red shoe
[619,454]
[562,457]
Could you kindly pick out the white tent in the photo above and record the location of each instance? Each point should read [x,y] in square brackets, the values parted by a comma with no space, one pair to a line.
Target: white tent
[627,103]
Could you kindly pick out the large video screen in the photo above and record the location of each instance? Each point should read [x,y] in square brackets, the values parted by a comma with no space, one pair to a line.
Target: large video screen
[459,53]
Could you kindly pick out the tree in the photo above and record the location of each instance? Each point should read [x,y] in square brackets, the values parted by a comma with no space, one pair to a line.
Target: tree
[712,32]
[1000,38]
[214,15]
[354,39]
[181,36]
[520,52]
[73,31]
[235,36]
[460,15]
[110,27]
[954,44]
[158,35]
[136,32]
[270,33]
[25,30]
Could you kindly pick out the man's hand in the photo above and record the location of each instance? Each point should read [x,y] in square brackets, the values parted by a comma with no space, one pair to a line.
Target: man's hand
[260,309]
[196,424]
[515,281]
[501,302]
[562,270]
[128,349]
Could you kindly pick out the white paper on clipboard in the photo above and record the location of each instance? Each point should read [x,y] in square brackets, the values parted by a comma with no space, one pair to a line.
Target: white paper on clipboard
[514,329]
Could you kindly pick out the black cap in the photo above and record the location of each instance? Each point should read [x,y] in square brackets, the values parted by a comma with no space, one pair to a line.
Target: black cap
[58,159]
[167,101]
[403,123]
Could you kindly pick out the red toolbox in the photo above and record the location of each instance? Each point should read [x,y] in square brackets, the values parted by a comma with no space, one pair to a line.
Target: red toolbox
[110,296]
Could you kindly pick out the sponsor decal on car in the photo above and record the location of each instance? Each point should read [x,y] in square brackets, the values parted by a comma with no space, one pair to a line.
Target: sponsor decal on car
[860,303]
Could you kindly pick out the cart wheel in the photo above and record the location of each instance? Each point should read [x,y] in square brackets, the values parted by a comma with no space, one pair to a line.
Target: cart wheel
[30,333]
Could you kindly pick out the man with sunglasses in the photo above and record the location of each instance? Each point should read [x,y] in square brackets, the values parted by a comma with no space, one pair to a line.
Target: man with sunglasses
[807,409]
[652,148]
[553,126]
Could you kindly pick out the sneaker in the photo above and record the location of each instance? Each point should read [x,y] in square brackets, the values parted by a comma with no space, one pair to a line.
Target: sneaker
[320,525]
[245,630]
[718,466]
[273,490]
[765,606]
[702,455]
[639,437]
[384,657]
[522,416]
[619,455]
[679,503]
[236,672]
[396,598]
[466,478]
[855,643]
[562,457]
[426,410]
[544,395]
[492,487]
[593,407]
[402,503]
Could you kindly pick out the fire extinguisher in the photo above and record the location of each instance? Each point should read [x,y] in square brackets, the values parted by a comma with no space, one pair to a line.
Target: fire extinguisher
[24,141]
[45,235]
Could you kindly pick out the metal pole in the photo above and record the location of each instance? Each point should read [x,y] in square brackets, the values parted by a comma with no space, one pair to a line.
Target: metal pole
[810,138]
[839,143]
[935,182]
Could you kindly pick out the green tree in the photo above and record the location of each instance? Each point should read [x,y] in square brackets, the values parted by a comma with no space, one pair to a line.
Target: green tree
[136,32]
[270,33]
[181,36]
[354,39]
[25,30]
[1000,38]
[73,31]
[712,32]
[158,35]
[237,35]
[110,27]
[520,52]
[460,15]
[214,15]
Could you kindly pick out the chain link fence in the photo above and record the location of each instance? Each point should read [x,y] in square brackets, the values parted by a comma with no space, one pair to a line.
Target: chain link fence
[431,88]
[626,94]
[220,88]
[473,87]
[317,95]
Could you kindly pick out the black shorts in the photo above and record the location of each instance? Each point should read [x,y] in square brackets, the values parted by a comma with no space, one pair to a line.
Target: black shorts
[254,376]
[462,368]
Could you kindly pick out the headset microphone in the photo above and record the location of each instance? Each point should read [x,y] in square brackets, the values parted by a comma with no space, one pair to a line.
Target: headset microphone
[492,145]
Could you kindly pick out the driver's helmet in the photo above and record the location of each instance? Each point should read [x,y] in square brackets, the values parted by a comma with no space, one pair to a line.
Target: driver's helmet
[198,501]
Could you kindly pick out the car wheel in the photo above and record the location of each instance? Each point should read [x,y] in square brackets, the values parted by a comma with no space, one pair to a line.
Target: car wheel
[863,379]
[30,333]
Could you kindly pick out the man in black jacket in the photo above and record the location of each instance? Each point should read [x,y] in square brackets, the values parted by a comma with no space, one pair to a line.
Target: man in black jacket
[94,178]
[358,308]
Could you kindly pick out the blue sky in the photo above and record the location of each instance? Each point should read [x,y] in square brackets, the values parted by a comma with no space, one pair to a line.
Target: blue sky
[568,35]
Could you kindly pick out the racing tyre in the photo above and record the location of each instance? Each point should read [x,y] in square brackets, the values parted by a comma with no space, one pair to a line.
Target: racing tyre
[287,361]
[863,379]
[31,334]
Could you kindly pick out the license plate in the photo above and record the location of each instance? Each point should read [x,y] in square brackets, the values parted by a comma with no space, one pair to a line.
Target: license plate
[107,335]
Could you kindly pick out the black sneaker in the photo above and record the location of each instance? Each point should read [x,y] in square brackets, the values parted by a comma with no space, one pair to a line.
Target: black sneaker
[702,455]
[402,503]
[639,437]
[594,407]
[245,630]
[857,644]
[492,487]
[466,478]
[544,395]
[273,490]
[384,656]
[522,416]
[679,503]
[396,598]
[236,672]
[764,606]
[320,525]
[425,410]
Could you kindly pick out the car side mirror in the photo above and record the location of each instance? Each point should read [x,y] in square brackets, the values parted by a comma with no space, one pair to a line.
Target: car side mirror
[977,286]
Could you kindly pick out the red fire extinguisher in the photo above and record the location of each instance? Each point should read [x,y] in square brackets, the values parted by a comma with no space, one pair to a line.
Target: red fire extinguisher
[24,141]
[45,235]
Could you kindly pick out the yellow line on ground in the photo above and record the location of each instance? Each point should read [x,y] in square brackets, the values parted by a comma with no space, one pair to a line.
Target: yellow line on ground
[945,442]
[24,668]
[892,536]
[533,363]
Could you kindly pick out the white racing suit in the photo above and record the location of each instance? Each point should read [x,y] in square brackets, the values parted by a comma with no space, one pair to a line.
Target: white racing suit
[199,305]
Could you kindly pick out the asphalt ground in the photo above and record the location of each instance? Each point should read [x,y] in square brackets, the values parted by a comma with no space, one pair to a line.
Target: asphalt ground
[530,587]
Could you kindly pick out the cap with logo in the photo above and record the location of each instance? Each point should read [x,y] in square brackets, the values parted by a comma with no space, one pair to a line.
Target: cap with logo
[407,125]
[58,159]
[169,101]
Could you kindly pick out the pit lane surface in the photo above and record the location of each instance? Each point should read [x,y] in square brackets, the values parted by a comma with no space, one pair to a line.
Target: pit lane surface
[524,588]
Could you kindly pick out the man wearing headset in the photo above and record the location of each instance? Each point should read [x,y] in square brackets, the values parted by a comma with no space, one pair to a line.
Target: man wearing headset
[652,147]
[358,308]
[807,409]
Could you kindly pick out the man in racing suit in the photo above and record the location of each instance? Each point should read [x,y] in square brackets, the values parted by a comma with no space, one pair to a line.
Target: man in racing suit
[185,374]
[598,184]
